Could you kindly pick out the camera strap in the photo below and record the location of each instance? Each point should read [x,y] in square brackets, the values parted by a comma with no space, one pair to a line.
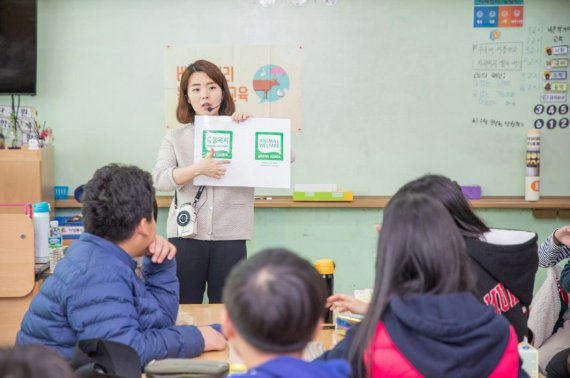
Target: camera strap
[196,199]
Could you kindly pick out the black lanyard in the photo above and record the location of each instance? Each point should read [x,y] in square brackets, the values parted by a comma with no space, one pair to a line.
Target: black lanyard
[196,199]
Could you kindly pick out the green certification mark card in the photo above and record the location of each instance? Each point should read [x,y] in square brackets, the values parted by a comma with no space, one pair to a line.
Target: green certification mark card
[220,140]
[268,146]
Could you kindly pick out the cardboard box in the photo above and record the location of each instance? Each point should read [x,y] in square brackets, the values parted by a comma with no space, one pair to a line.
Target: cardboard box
[322,196]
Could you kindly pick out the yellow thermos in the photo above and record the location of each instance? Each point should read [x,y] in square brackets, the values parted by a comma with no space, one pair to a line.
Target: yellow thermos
[325,267]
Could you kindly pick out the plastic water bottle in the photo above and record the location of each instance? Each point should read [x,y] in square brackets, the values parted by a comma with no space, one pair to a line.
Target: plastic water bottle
[41,231]
[325,267]
[529,357]
[55,242]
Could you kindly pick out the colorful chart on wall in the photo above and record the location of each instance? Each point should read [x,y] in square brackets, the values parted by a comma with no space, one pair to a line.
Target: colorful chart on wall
[520,66]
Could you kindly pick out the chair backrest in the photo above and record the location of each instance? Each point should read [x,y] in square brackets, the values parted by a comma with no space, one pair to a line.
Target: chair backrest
[16,255]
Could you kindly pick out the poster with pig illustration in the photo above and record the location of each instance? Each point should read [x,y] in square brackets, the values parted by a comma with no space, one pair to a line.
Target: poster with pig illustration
[257,151]
[264,81]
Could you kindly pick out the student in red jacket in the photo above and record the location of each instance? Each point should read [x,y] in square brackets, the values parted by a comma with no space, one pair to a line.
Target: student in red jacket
[504,261]
[424,319]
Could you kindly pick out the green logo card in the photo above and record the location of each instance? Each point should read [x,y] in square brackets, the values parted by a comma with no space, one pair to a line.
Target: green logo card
[268,146]
[220,141]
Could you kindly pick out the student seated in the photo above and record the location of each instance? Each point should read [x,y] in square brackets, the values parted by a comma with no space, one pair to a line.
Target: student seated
[555,248]
[33,361]
[504,261]
[274,302]
[550,315]
[423,319]
[94,291]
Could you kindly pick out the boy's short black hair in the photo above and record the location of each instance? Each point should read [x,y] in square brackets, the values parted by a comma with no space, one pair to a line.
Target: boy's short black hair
[274,300]
[116,199]
[33,361]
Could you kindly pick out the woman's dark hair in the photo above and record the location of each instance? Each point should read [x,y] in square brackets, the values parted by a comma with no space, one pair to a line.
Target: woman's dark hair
[184,112]
[275,300]
[420,251]
[450,195]
[33,361]
[116,199]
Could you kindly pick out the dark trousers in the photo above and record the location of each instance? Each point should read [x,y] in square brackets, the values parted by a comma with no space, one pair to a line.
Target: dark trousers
[558,365]
[199,262]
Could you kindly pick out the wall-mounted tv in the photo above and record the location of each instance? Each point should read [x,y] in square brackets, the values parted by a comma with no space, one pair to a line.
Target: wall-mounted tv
[18,47]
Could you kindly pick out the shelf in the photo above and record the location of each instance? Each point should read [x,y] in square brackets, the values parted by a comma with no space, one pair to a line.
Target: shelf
[499,202]
[26,176]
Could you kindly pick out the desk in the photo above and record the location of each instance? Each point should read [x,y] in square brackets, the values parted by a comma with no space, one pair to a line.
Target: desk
[205,314]
[12,311]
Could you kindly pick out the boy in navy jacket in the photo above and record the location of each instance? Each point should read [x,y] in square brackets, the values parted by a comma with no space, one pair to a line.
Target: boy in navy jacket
[274,302]
[95,293]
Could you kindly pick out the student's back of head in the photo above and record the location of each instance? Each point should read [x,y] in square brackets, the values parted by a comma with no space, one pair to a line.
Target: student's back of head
[420,251]
[116,199]
[274,300]
[33,361]
[450,195]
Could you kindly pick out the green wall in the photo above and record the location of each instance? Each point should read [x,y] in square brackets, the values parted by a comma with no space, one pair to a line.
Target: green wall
[388,95]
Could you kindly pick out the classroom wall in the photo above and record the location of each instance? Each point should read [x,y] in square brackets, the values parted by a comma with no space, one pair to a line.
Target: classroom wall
[388,95]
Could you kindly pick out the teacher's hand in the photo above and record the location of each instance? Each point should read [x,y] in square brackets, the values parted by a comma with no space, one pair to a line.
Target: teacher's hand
[212,167]
[240,117]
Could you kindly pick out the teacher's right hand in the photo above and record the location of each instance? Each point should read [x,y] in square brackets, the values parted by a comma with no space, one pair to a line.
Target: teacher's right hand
[211,167]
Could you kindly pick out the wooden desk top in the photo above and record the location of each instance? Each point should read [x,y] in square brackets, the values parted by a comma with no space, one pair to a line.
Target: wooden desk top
[205,314]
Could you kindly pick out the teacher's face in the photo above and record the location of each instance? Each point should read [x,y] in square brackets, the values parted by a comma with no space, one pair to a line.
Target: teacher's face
[204,95]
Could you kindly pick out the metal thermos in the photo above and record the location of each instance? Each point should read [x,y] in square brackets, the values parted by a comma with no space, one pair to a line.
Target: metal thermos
[325,267]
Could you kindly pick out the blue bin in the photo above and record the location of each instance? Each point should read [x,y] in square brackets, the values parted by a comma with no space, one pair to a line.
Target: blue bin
[60,192]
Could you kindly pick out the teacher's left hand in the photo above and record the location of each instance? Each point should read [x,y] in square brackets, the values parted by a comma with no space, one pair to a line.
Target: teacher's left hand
[240,117]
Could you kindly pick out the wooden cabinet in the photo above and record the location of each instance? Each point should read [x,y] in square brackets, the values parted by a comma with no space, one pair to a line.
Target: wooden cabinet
[26,176]
[17,275]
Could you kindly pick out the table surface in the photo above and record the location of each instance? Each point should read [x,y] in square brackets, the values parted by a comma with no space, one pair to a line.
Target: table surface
[205,314]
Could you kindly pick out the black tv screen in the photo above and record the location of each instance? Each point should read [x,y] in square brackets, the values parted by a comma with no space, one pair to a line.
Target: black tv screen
[18,47]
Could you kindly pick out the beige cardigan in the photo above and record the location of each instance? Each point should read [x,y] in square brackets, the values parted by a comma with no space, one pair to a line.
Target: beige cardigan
[225,213]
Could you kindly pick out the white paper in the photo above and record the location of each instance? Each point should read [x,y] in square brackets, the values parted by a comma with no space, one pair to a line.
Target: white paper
[259,150]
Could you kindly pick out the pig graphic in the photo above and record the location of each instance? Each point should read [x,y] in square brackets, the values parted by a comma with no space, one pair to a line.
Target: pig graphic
[276,70]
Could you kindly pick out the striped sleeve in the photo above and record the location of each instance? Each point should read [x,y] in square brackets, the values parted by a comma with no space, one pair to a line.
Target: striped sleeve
[550,254]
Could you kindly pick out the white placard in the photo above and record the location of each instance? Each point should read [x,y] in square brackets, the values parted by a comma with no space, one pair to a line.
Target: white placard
[259,150]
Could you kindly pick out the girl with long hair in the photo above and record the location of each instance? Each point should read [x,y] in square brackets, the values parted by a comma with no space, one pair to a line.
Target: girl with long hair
[424,319]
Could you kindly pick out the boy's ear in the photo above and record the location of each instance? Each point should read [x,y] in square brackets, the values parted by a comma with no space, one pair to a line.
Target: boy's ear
[227,325]
[144,227]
